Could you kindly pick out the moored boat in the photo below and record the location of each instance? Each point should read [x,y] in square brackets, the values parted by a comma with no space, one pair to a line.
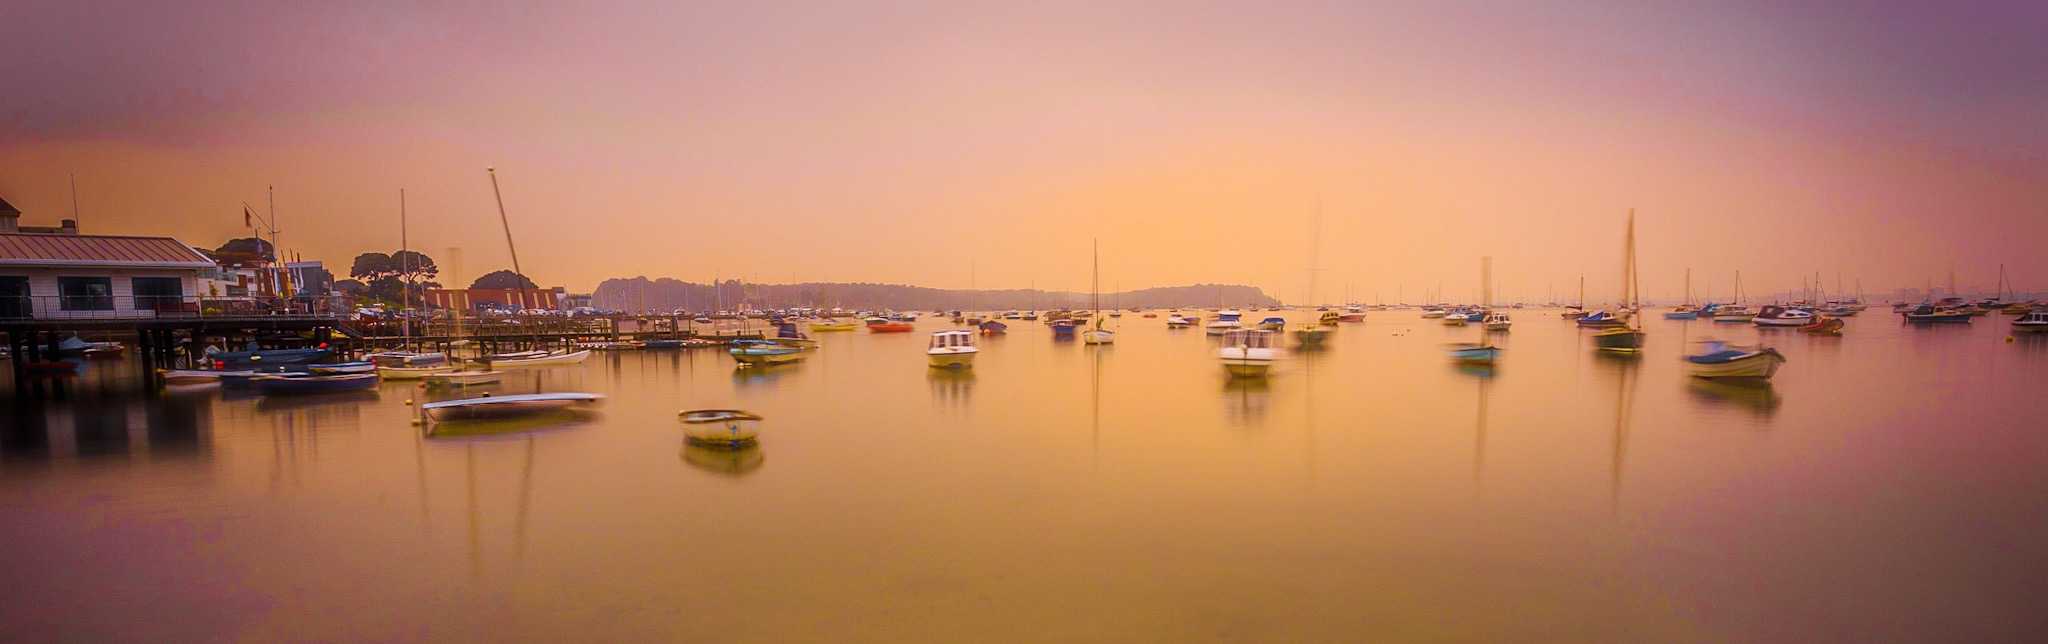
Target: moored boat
[1473,352]
[187,376]
[833,325]
[489,406]
[994,327]
[952,350]
[537,359]
[2033,322]
[1719,360]
[1247,353]
[332,368]
[1273,323]
[1312,336]
[1778,316]
[885,325]
[1175,321]
[1226,320]
[1824,325]
[224,359]
[720,427]
[1930,314]
[751,352]
[1496,321]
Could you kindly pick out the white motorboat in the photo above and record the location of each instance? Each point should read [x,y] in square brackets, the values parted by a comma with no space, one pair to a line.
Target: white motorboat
[1782,316]
[1248,353]
[1225,322]
[952,349]
[537,359]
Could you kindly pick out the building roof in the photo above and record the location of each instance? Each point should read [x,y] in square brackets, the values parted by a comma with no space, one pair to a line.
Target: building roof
[98,250]
[7,208]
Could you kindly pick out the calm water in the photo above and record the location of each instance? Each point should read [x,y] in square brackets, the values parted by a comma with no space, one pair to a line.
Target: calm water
[1891,484]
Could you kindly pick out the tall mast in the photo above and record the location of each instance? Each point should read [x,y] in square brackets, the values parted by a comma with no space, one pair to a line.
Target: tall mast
[517,273]
[1315,249]
[74,199]
[405,290]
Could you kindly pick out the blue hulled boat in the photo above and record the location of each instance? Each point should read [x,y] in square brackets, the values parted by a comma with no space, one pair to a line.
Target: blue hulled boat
[270,357]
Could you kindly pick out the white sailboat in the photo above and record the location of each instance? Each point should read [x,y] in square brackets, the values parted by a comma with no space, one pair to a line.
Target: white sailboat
[1097,335]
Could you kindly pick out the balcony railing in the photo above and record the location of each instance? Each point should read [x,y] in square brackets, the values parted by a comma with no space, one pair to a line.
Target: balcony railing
[162,307]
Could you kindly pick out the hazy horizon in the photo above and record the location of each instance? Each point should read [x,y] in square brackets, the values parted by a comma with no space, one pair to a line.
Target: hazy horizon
[942,145]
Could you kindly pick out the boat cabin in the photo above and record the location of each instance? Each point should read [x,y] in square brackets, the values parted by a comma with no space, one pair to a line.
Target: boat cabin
[952,339]
[1249,339]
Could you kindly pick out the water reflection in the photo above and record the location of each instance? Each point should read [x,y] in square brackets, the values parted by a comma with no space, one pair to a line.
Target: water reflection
[1624,369]
[763,374]
[1245,400]
[732,462]
[341,402]
[518,426]
[104,427]
[1756,397]
[951,388]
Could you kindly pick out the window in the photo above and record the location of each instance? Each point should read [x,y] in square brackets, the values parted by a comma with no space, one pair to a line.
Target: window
[14,302]
[86,293]
[157,293]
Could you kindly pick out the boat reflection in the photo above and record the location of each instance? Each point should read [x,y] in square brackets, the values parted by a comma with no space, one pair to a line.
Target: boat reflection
[1245,400]
[349,400]
[733,462]
[114,427]
[761,374]
[485,428]
[1756,397]
[1481,371]
[951,388]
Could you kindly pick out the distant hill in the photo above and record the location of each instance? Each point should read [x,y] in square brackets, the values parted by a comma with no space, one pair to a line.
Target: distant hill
[665,294]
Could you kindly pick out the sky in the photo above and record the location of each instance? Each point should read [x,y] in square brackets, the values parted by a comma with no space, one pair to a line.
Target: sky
[1374,149]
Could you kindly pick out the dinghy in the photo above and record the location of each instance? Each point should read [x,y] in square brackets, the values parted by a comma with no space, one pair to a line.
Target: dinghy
[763,352]
[1719,360]
[488,406]
[464,378]
[537,359]
[334,368]
[720,427]
[1473,352]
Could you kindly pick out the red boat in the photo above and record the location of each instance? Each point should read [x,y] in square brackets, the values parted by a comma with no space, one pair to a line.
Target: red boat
[879,325]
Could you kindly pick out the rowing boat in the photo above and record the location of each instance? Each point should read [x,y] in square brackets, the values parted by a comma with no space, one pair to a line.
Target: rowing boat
[488,406]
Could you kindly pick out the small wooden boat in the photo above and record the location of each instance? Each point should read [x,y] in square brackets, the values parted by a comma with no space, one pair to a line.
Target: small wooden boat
[830,325]
[1248,353]
[1329,318]
[544,359]
[1619,339]
[721,427]
[993,327]
[952,350]
[1473,352]
[334,368]
[406,359]
[763,352]
[281,385]
[1779,316]
[1824,325]
[489,406]
[1273,323]
[1719,360]
[2033,322]
[176,377]
[463,378]
[413,373]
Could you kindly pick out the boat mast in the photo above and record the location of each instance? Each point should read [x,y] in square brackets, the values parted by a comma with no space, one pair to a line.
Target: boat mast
[518,275]
[404,268]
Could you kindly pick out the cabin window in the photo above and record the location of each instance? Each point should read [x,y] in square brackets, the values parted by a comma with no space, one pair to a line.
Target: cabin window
[157,293]
[86,293]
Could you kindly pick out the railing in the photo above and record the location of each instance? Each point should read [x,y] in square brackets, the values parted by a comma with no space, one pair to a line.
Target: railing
[164,307]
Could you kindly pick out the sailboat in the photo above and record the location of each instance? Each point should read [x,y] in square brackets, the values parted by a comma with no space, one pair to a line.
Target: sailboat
[406,364]
[1314,335]
[1735,311]
[1628,337]
[1685,311]
[1577,311]
[1097,335]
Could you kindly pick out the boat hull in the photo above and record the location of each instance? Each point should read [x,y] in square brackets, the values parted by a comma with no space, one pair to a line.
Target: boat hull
[1475,354]
[1099,336]
[766,357]
[1619,340]
[1756,366]
[552,359]
[464,378]
[951,359]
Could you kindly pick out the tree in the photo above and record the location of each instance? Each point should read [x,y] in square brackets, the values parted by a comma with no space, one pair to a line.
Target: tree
[351,288]
[503,279]
[414,266]
[245,245]
[368,267]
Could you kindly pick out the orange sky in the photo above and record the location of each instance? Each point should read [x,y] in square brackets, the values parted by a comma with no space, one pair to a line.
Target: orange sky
[902,142]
